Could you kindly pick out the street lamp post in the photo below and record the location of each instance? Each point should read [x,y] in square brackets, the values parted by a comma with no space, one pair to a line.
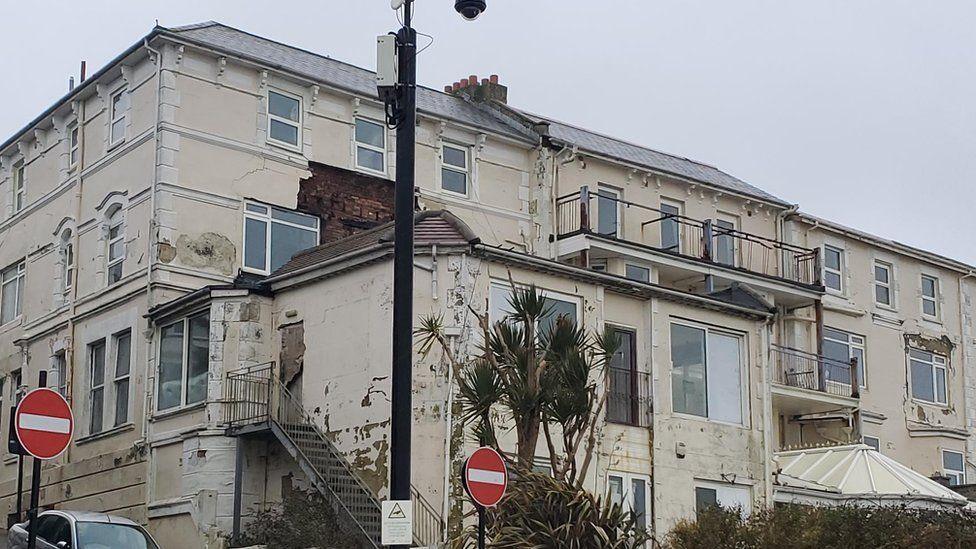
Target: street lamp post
[403,115]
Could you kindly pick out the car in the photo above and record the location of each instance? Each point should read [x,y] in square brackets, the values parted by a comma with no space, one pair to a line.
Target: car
[82,530]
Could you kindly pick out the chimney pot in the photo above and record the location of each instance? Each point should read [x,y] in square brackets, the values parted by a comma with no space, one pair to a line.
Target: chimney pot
[457,86]
[484,81]
[464,84]
[493,79]
[448,88]
[473,80]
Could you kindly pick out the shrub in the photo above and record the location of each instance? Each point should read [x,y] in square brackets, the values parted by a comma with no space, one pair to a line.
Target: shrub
[304,519]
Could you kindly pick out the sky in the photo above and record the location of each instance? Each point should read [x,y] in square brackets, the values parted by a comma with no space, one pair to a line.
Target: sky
[861,111]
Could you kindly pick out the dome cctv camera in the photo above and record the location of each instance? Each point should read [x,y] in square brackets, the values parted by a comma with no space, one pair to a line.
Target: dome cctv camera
[470,9]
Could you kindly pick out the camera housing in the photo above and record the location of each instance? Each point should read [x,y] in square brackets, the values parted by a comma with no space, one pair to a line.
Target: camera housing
[470,9]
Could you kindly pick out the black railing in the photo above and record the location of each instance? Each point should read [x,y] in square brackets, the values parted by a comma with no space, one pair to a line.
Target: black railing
[247,394]
[795,368]
[686,236]
[629,397]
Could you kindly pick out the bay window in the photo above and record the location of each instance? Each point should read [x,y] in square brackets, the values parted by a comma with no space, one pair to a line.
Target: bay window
[184,362]
[928,376]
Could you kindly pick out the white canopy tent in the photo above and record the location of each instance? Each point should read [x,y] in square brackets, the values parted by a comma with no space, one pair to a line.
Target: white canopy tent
[855,474]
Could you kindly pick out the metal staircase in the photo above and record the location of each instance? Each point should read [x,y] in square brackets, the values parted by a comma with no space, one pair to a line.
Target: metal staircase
[254,399]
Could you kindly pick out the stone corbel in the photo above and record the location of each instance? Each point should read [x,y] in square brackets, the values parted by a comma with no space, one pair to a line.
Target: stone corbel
[631,174]
[355,106]
[691,190]
[179,55]
[6,161]
[264,80]
[102,91]
[657,182]
[480,142]
[747,205]
[221,68]
[127,73]
[23,147]
[716,198]
[40,137]
[315,96]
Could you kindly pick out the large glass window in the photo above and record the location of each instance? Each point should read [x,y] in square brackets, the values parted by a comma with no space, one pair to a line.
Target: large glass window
[96,393]
[454,169]
[954,467]
[11,292]
[928,376]
[883,284]
[834,268]
[706,374]
[556,305]
[670,227]
[623,391]
[184,362]
[724,495]
[630,491]
[273,235]
[930,296]
[370,145]
[608,212]
[841,347]
[284,118]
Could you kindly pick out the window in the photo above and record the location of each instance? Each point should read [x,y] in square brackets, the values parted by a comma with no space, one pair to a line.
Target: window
[930,296]
[184,362]
[20,186]
[116,246]
[599,265]
[608,212]
[284,118]
[273,235]
[928,376]
[11,292]
[120,104]
[722,494]
[841,347]
[370,145]
[73,145]
[882,284]
[670,227]
[724,252]
[17,386]
[556,304]
[454,169]
[638,273]
[706,374]
[61,374]
[622,399]
[954,467]
[54,529]
[67,263]
[873,442]
[96,391]
[123,351]
[834,268]
[631,492]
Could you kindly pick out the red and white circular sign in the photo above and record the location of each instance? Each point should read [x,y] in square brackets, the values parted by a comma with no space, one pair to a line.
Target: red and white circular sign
[485,477]
[44,423]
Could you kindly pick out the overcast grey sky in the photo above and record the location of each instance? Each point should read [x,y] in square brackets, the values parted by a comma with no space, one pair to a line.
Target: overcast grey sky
[861,111]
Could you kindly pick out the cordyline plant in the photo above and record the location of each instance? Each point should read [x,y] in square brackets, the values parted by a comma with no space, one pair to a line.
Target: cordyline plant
[537,373]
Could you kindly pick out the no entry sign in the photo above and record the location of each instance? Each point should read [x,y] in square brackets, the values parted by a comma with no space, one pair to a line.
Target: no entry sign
[44,423]
[485,477]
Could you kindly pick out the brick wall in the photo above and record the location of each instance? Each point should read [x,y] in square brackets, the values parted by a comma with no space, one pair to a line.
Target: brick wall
[347,202]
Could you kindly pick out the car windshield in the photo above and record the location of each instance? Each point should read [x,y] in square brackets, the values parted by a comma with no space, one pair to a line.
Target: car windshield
[102,535]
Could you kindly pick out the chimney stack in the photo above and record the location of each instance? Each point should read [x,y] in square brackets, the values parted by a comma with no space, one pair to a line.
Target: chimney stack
[488,89]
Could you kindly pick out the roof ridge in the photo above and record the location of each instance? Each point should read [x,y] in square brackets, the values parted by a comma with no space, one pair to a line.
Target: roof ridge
[194,26]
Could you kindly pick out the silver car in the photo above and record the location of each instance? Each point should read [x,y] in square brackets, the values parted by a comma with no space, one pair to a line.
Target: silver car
[82,530]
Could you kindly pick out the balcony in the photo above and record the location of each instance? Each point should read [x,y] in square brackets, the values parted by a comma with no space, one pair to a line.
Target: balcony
[802,370]
[591,224]
[629,397]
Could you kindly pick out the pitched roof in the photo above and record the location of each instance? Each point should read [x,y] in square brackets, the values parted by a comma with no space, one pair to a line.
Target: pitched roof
[341,75]
[430,227]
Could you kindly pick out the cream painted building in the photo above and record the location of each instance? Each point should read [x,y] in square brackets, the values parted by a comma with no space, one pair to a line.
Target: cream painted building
[196,248]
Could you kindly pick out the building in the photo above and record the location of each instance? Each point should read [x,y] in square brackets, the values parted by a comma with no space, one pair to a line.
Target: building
[199,252]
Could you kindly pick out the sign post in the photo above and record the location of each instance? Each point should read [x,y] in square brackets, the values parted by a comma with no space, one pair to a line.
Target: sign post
[485,480]
[44,425]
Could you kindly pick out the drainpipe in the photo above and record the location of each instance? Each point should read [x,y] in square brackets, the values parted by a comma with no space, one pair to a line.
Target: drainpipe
[767,407]
[965,360]
[150,378]
[449,428]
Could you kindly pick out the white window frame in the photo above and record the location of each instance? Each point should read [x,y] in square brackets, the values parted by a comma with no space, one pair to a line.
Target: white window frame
[184,367]
[117,115]
[287,121]
[357,144]
[877,442]
[958,475]
[839,271]
[16,282]
[550,294]
[890,285]
[933,299]
[938,362]
[67,262]
[115,220]
[74,140]
[466,171]
[627,495]
[853,341]
[61,372]
[118,379]
[96,385]
[19,188]
[617,197]
[744,389]
[268,219]
[727,491]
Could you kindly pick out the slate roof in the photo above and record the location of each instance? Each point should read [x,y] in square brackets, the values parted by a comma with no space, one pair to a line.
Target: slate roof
[341,75]
[451,107]
[431,227]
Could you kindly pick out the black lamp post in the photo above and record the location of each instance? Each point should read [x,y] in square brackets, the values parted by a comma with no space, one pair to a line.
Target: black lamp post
[404,116]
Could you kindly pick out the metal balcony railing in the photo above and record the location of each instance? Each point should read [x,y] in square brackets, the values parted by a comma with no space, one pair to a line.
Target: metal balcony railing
[795,368]
[629,397]
[685,236]
[254,395]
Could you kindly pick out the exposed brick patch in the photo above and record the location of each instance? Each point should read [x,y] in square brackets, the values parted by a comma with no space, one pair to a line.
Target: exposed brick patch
[347,202]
